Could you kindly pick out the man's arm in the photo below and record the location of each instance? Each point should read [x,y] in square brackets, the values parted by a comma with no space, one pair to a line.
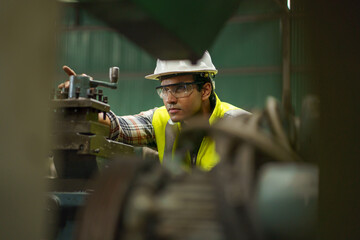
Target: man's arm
[133,129]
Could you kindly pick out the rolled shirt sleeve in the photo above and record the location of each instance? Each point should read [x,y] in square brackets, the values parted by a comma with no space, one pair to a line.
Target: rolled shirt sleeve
[133,129]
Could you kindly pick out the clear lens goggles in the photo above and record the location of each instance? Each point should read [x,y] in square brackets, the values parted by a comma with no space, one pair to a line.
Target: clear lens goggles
[178,90]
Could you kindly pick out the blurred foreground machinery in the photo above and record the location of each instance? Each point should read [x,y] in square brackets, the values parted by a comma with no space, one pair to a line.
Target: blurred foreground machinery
[261,189]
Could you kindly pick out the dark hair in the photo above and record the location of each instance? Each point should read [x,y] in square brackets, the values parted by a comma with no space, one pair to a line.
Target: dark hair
[206,78]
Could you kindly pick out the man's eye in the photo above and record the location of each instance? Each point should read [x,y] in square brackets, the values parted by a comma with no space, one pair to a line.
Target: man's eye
[181,88]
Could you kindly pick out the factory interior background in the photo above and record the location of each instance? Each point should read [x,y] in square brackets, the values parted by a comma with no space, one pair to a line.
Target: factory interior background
[40,36]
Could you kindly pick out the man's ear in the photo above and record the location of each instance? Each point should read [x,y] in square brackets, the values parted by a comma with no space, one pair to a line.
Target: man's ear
[206,91]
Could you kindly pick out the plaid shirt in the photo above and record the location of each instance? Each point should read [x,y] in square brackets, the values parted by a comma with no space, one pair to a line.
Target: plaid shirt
[133,129]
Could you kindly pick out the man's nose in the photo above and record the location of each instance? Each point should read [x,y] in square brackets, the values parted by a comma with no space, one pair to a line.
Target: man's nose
[170,98]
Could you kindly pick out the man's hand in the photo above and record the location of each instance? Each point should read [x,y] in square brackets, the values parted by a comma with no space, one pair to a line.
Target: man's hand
[69,72]
[105,121]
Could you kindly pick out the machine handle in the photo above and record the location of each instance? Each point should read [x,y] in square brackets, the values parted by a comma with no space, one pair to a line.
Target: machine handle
[114,74]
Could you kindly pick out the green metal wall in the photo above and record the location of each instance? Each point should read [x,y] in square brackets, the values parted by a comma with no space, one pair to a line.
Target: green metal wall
[301,85]
[247,53]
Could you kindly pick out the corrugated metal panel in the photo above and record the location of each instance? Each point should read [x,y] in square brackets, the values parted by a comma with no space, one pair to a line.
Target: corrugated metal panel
[93,51]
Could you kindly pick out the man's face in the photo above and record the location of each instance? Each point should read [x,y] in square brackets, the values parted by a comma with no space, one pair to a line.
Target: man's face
[181,109]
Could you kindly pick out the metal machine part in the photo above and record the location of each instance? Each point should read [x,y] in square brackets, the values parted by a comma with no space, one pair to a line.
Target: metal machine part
[80,148]
[79,85]
[61,213]
[114,74]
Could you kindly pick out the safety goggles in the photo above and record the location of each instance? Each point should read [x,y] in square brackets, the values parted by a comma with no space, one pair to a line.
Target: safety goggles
[178,90]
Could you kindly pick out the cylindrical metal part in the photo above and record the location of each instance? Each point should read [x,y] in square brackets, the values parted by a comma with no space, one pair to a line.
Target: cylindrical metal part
[114,74]
[100,95]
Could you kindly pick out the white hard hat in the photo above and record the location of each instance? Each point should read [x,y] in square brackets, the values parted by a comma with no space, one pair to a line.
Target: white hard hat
[169,67]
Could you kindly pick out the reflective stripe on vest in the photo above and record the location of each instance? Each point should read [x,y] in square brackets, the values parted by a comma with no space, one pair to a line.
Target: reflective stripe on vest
[207,157]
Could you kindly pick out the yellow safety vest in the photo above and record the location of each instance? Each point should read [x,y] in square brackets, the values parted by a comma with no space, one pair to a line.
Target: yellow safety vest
[207,157]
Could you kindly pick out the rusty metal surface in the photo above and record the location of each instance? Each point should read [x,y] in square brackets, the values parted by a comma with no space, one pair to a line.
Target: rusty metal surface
[80,145]
[91,144]
[80,103]
[80,126]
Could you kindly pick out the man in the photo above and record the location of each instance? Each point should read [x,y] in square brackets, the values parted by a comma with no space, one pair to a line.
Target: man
[187,91]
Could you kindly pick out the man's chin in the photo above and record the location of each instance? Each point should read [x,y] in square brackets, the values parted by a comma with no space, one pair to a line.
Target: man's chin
[176,118]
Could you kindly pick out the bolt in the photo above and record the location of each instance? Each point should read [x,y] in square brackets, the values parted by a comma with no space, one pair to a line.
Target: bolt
[95,93]
[105,100]
[90,92]
[100,93]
